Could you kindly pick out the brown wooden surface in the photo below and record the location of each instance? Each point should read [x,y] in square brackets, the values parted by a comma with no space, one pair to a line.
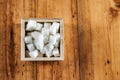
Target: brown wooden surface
[92,40]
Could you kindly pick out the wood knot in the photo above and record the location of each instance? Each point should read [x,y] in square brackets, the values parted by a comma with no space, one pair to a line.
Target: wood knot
[115,4]
[73,16]
[113,12]
[117,73]
[108,62]
[106,73]
[89,74]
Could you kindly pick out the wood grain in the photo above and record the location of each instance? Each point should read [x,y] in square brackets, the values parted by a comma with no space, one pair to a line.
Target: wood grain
[67,69]
[92,40]
[26,9]
[2,41]
[99,42]
[14,68]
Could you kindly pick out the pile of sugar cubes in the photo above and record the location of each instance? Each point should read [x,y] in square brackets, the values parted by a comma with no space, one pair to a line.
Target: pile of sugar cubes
[42,39]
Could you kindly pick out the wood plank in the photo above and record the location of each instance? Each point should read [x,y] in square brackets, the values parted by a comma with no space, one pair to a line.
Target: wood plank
[86,62]
[3,74]
[99,40]
[28,11]
[44,69]
[40,13]
[15,68]
[67,69]
[114,36]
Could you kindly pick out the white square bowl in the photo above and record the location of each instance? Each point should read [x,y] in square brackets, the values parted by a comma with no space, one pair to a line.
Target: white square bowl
[23,32]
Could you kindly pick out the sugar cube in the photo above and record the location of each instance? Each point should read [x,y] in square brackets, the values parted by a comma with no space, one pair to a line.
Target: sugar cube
[28,39]
[30,47]
[31,25]
[34,53]
[47,25]
[54,28]
[56,52]
[39,26]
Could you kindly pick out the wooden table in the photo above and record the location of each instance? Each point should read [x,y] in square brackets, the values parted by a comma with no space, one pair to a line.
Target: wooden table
[92,40]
